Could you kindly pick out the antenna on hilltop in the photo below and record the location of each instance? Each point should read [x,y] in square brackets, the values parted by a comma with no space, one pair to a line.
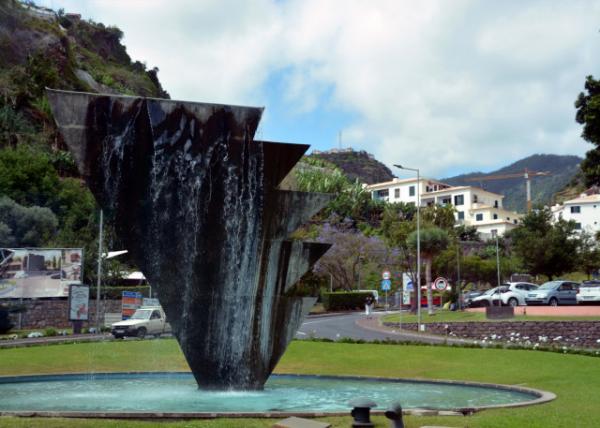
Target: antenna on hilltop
[340,139]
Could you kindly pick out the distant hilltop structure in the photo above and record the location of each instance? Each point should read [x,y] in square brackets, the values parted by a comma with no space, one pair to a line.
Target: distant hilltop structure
[346,150]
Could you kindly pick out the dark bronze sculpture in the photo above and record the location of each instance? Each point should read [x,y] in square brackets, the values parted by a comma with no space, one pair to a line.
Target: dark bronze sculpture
[195,199]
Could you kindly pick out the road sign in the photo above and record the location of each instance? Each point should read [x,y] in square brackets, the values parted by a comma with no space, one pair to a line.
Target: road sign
[386,285]
[386,274]
[440,284]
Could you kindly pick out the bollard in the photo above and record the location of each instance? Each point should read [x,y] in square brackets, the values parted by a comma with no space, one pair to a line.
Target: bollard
[361,412]
[394,414]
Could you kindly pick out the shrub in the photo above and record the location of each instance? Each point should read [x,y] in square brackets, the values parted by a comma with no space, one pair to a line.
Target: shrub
[344,300]
[50,332]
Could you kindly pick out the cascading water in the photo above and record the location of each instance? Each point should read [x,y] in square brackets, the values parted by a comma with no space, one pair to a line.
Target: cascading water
[195,200]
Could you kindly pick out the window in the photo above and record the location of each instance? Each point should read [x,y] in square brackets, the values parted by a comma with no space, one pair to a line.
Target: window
[474,199]
[495,204]
[515,221]
[578,226]
[384,193]
[575,209]
[411,191]
[478,217]
[155,315]
[446,201]
[461,215]
[495,216]
[459,200]
[397,193]
[566,286]
[494,232]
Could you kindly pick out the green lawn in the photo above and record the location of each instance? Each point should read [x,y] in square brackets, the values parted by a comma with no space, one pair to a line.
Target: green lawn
[573,378]
[465,316]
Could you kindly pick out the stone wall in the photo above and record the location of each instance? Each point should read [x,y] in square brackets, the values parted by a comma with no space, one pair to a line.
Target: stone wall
[40,314]
[580,334]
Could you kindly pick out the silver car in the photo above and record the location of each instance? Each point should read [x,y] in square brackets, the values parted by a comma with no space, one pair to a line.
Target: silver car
[554,293]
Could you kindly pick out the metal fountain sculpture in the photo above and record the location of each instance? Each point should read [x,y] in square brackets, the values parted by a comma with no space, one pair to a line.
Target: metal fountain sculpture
[196,201]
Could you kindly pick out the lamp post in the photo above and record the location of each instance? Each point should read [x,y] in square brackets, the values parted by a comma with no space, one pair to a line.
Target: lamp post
[418,242]
[495,235]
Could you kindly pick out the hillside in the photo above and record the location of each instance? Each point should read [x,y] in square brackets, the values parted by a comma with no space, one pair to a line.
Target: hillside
[357,165]
[40,48]
[563,170]
[43,201]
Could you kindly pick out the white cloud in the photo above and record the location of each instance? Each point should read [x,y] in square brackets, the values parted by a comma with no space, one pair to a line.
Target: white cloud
[441,85]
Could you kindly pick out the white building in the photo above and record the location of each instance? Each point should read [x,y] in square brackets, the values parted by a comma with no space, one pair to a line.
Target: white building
[403,190]
[584,210]
[474,206]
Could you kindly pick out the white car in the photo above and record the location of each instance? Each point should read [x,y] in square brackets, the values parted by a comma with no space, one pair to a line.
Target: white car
[145,320]
[589,292]
[509,294]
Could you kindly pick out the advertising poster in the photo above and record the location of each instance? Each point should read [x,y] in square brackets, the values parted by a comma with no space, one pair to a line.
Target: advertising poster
[79,302]
[32,273]
[407,288]
[130,301]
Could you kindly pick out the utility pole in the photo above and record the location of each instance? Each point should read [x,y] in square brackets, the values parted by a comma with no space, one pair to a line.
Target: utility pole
[99,272]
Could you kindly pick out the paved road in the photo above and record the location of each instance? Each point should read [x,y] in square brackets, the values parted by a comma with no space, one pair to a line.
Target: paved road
[340,326]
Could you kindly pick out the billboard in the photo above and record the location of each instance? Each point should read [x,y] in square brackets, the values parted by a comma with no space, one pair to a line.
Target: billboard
[39,272]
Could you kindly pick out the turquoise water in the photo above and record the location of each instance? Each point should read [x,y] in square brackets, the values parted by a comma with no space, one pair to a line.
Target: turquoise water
[178,392]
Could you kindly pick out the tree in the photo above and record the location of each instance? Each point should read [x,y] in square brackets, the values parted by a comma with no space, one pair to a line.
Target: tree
[588,115]
[545,247]
[589,254]
[25,226]
[433,240]
[352,255]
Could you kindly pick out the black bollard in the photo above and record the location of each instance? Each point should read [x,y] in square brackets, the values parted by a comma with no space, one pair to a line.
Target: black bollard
[361,412]
[394,414]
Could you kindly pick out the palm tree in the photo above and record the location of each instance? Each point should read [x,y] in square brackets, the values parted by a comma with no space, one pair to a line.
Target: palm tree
[434,240]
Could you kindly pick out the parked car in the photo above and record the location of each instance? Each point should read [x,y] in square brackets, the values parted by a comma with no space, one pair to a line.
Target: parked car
[145,320]
[488,298]
[517,292]
[589,292]
[468,296]
[554,293]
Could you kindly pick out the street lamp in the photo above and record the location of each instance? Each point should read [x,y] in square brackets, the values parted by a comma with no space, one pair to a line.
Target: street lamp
[495,235]
[418,242]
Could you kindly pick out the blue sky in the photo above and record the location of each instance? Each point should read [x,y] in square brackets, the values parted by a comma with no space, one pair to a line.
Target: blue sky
[445,86]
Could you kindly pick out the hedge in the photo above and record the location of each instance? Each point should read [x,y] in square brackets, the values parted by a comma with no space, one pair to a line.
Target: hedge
[344,300]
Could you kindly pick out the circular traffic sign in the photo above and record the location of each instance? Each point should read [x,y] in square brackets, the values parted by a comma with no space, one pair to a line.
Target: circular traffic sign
[440,283]
[386,274]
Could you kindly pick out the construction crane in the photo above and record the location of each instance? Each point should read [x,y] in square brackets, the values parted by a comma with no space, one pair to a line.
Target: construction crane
[526,174]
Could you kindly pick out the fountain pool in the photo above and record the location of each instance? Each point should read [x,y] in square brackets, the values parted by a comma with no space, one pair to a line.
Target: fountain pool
[296,394]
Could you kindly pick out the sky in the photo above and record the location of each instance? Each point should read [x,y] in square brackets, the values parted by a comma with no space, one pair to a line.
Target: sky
[444,86]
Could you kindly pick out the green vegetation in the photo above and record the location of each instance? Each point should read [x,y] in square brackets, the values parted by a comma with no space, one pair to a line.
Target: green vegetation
[571,377]
[357,165]
[343,300]
[546,247]
[588,115]
[43,200]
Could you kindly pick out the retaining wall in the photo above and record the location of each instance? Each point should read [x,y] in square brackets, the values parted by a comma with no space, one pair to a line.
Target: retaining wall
[581,334]
[54,313]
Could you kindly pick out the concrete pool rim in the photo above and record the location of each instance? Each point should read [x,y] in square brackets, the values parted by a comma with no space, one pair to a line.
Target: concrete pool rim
[538,397]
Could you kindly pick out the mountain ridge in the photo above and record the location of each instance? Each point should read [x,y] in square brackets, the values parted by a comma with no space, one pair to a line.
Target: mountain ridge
[562,168]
